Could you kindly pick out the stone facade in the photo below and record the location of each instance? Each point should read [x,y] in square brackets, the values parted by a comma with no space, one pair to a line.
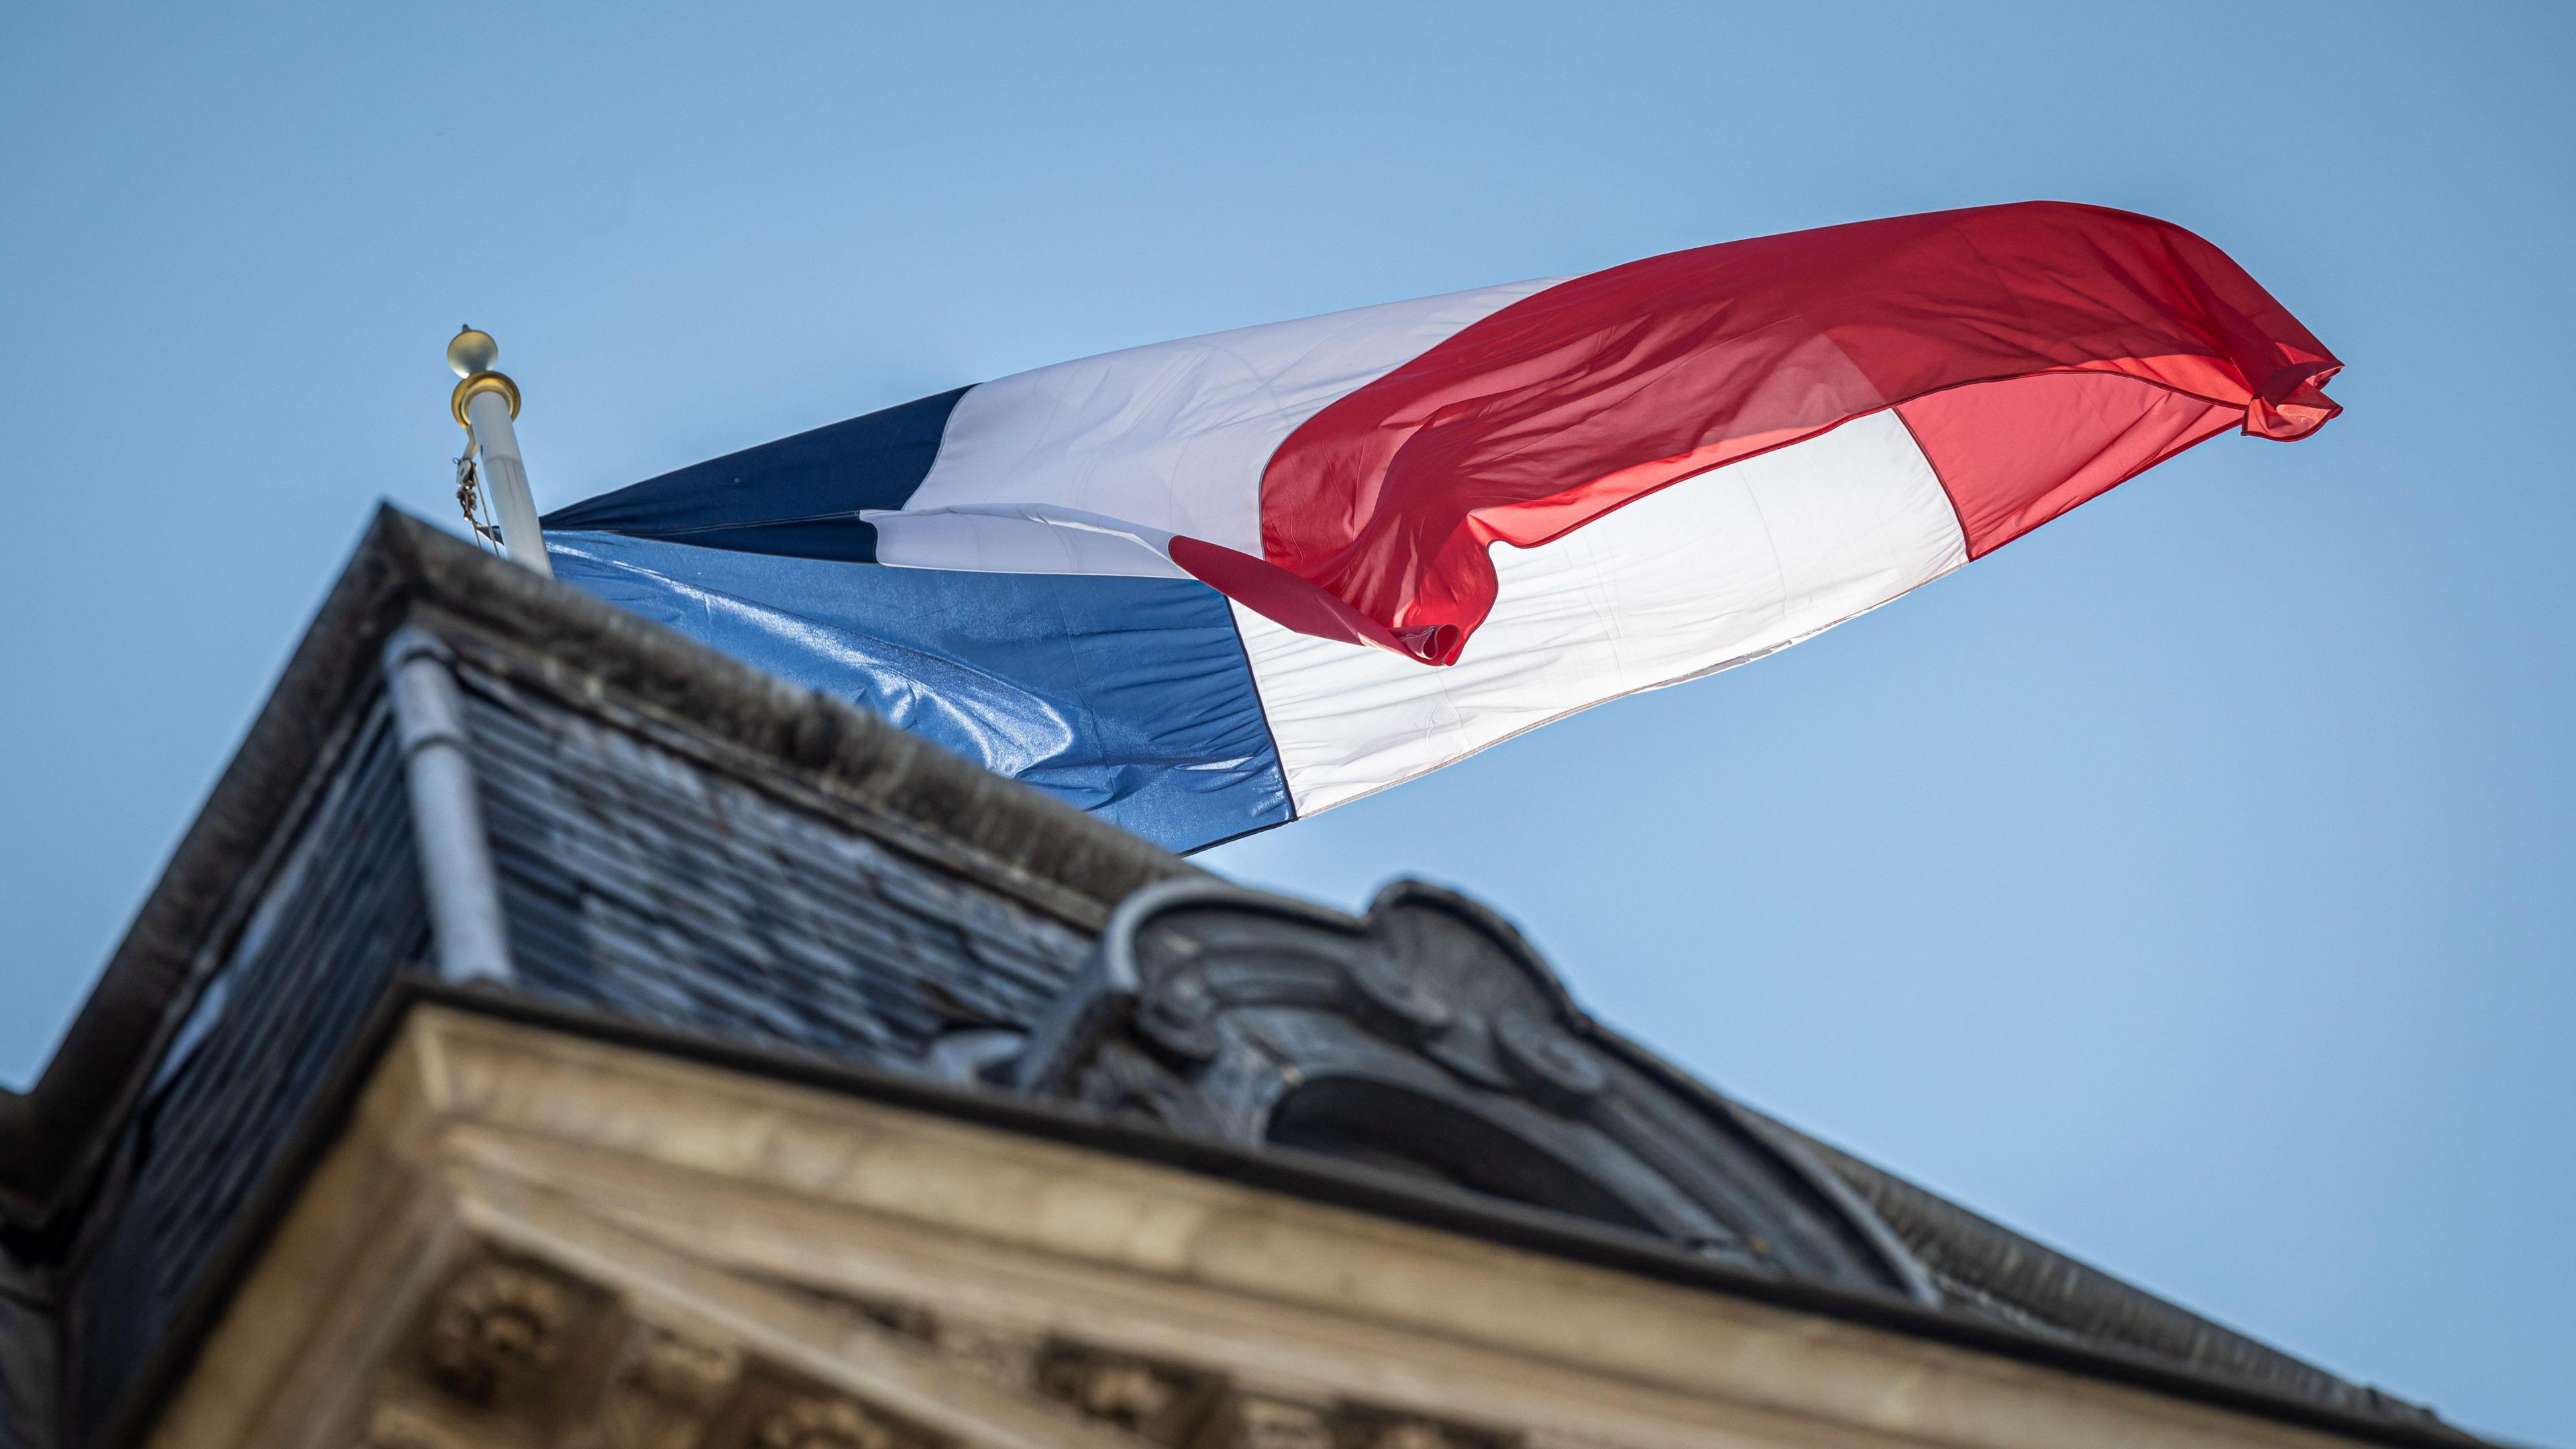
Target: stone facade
[527,1238]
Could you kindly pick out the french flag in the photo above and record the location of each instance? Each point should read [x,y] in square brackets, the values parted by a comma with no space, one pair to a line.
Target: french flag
[1206,587]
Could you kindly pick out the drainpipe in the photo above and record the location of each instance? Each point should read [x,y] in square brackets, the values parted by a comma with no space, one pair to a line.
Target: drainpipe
[466,925]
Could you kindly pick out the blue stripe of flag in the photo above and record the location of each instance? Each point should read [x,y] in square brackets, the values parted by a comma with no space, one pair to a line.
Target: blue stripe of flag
[1127,697]
[798,496]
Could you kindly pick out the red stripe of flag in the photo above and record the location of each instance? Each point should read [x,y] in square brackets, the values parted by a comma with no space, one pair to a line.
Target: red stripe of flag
[2041,352]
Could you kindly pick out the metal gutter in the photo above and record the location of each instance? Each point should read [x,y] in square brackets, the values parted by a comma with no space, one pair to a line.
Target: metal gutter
[2060,1291]
[463,887]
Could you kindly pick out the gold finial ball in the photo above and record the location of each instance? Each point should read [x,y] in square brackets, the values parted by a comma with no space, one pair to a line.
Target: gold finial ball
[470,352]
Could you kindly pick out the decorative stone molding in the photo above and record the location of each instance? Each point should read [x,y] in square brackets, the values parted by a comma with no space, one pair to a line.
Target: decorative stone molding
[996,1355]
[1429,1038]
[1266,1423]
[1409,1434]
[1364,1429]
[401,1426]
[834,1424]
[599,1263]
[1161,1402]
[662,1393]
[494,1324]
[682,1374]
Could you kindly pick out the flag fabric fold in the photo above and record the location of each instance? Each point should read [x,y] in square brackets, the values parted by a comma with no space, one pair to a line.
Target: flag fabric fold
[1205,586]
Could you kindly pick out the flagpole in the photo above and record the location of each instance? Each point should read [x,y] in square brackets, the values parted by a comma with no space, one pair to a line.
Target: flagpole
[484,403]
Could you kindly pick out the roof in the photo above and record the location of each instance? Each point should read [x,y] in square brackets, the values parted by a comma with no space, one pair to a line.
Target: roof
[677,846]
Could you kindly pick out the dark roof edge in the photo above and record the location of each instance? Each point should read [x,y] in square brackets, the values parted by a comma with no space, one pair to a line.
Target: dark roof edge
[53,1137]
[1916,1231]
[1788,1148]
[1976,1250]
[1304,1175]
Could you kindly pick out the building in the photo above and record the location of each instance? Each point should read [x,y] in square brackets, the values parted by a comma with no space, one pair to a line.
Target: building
[552,1035]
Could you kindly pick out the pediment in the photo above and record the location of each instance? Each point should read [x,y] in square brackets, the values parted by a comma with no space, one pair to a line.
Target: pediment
[1427,1038]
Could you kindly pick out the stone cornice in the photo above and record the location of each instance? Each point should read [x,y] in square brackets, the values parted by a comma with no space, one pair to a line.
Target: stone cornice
[852,1249]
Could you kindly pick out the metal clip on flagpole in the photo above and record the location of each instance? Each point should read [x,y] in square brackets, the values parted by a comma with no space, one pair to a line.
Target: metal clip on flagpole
[484,403]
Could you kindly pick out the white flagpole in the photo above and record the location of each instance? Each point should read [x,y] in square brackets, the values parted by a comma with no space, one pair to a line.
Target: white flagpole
[484,403]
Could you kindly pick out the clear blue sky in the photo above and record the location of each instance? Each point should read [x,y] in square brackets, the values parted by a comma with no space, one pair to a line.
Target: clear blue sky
[2188,884]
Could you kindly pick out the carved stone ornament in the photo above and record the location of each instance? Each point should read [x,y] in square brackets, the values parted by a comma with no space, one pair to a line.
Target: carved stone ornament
[663,1393]
[682,1374]
[1261,1423]
[1413,1434]
[1429,1039]
[1361,1428]
[398,1426]
[494,1324]
[1158,1401]
[996,1355]
[834,1424]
